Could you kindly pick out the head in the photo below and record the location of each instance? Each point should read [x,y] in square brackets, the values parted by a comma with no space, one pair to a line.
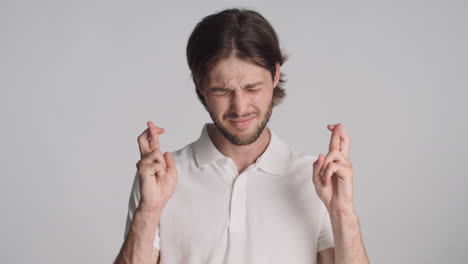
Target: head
[235,61]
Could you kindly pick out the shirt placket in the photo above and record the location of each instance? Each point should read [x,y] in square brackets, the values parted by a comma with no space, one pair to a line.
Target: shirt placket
[238,199]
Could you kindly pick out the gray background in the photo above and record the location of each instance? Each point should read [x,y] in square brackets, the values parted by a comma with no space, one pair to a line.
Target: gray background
[79,80]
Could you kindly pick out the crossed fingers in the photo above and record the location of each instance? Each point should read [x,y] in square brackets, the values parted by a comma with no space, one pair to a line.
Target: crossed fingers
[149,139]
[336,160]
[339,139]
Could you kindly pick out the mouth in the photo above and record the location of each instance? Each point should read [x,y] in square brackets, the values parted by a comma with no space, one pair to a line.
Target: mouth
[241,123]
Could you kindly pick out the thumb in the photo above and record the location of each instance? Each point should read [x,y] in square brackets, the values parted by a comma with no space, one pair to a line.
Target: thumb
[315,174]
[170,163]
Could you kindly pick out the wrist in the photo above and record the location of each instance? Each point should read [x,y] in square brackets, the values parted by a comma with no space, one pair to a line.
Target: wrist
[341,211]
[149,210]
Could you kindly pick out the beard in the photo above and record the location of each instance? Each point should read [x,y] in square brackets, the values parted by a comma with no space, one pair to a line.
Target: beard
[249,139]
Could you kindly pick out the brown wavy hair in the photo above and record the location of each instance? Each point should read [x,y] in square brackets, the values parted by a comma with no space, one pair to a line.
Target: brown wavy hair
[234,32]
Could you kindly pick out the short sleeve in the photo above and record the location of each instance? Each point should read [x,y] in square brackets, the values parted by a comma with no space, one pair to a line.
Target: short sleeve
[325,239]
[132,206]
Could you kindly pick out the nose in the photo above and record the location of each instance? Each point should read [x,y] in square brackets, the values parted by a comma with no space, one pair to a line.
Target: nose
[239,103]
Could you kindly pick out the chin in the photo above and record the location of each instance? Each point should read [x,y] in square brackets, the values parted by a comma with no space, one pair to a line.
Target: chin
[242,136]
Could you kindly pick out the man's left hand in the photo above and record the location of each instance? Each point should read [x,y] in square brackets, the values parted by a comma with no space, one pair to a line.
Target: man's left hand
[333,173]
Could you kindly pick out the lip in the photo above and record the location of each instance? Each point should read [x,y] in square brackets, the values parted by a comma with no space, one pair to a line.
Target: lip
[241,122]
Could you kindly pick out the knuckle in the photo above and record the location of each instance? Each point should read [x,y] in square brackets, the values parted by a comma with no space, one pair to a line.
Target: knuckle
[325,168]
[314,180]
[157,157]
[141,170]
[156,168]
[155,152]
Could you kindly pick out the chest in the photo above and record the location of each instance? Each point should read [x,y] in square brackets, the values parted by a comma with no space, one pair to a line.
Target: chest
[214,209]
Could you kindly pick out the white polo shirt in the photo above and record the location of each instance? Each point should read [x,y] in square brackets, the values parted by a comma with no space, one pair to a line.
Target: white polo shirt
[270,213]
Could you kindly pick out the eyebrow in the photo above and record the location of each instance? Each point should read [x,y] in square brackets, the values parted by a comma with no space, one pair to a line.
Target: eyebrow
[247,86]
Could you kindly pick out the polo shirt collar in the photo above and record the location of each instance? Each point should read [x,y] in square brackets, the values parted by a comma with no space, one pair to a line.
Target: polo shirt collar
[273,159]
[205,150]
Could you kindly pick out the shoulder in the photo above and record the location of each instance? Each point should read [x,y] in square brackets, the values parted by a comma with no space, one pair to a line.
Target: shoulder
[299,171]
[183,155]
[299,160]
[289,154]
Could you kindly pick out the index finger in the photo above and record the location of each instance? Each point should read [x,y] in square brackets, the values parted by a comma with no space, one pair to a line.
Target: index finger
[144,140]
[345,140]
[335,138]
[154,132]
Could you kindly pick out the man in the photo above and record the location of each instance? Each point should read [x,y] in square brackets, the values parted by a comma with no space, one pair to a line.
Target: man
[239,194]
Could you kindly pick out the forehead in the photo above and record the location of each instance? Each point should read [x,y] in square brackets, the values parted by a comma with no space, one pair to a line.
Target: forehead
[233,71]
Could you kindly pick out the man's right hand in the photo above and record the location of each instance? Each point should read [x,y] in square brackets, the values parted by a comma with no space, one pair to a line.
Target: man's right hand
[157,172]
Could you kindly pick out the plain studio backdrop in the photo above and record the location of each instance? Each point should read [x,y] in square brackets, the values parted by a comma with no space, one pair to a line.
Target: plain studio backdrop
[79,80]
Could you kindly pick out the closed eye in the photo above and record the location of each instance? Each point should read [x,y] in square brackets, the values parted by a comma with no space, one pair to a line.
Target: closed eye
[219,91]
[253,90]
[254,87]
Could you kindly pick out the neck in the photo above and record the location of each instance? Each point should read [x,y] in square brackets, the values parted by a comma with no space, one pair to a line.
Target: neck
[242,156]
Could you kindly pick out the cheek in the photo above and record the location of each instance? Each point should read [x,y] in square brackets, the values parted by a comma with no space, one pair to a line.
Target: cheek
[265,100]
[217,106]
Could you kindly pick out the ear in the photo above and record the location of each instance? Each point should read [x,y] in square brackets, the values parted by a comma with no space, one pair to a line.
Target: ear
[277,75]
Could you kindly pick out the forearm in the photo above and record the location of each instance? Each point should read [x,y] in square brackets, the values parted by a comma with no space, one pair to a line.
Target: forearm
[349,247]
[138,245]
